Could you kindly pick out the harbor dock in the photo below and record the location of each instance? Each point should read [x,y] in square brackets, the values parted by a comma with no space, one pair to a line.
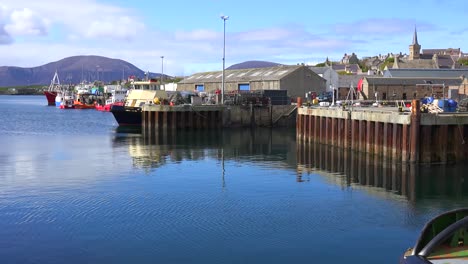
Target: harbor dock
[399,135]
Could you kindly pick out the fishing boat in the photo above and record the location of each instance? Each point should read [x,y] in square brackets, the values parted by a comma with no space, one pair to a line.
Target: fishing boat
[85,101]
[115,95]
[444,239]
[142,92]
[65,99]
[53,89]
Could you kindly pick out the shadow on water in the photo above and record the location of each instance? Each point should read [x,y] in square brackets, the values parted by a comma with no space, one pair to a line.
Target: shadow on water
[418,183]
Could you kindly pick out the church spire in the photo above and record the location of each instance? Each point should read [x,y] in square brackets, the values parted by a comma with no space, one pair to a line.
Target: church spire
[415,37]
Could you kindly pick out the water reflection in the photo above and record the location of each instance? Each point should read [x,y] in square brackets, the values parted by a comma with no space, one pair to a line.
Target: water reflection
[417,183]
[262,147]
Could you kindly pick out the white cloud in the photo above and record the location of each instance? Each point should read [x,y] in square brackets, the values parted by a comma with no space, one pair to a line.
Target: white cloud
[119,28]
[26,22]
[78,18]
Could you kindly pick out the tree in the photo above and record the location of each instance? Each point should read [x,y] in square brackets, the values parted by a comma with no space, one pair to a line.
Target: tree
[463,61]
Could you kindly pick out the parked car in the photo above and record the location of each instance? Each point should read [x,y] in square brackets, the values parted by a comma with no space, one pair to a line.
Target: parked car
[325,97]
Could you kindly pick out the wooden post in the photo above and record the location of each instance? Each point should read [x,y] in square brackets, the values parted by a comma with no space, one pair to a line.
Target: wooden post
[378,138]
[441,142]
[386,139]
[174,120]
[310,130]
[333,131]
[426,144]
[317,129]
[355,134]
[405,143]
[396,142]
[156,120]
[362,135]
[305,129]
[414,136]
[370,137]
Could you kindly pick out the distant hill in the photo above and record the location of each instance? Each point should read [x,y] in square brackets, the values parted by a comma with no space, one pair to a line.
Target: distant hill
[71,70]
[252,64]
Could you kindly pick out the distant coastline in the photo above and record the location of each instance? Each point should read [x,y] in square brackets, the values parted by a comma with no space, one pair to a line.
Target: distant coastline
[22,90]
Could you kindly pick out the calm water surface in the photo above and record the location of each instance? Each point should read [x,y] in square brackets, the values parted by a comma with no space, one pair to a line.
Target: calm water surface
[76,189]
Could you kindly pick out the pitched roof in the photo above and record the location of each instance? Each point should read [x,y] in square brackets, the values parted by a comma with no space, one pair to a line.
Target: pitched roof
[345,81]
[255,74]
[319,70]
[350,67]
[449,51]
[416,64]
[412,81]
[437,73]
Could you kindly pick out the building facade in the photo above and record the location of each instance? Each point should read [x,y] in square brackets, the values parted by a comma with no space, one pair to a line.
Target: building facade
[297,80]
[410,88]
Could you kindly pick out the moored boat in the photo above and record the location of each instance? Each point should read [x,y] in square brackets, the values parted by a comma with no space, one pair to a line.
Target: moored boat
[444,239]
[53,89]
[116,96]
[143,92]
[85,101]
[67,99]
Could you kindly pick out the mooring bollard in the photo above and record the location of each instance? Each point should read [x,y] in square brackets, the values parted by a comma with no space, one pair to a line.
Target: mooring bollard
[299,101]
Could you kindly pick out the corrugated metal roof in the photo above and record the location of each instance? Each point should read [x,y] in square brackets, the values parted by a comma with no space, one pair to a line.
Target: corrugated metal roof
[412,81]
[256,74]
[436,73]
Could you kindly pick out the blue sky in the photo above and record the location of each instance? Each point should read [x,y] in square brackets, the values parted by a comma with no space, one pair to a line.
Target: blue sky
[189,34]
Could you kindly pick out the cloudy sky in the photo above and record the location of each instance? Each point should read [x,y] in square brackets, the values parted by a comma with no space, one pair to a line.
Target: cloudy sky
[189,34]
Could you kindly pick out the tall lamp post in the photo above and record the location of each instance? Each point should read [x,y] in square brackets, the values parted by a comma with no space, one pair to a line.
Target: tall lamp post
[224,18]
[162,69]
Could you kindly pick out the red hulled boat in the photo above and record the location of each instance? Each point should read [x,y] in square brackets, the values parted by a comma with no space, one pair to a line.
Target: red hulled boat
[54,88]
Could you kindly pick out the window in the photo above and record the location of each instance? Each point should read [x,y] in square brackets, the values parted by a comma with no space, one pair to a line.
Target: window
[200,87]
[404,96]
[244,87]
[384,96]
[415,95]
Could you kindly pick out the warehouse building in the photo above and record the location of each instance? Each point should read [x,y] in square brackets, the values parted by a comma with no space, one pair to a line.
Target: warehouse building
[297,80]
[412,88]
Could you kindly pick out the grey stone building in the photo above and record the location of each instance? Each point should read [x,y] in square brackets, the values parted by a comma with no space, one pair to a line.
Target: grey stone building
[407,88]
[297,80]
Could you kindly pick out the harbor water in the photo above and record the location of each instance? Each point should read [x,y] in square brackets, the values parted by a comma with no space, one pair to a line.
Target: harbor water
[75,188]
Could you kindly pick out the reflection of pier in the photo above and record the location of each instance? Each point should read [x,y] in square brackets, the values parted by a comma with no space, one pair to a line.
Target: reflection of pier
[350,168]
[275,147]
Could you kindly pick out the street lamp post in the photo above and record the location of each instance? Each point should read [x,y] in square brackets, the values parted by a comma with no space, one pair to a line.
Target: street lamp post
[224,18]
[162,69]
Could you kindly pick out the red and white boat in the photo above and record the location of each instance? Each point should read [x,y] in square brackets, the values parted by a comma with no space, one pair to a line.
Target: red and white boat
[53,89]
[117,96]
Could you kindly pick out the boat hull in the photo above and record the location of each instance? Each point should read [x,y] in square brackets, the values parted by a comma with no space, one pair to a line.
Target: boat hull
[126,116]
[66,106]
[50,96]
[444,239]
